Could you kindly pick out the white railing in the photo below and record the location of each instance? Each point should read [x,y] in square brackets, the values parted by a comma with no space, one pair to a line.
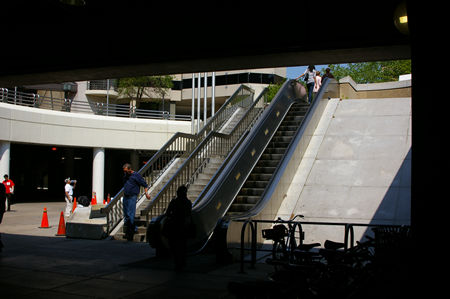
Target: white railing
[62,104]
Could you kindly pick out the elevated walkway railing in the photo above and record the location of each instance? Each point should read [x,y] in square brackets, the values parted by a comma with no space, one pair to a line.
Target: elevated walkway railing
[97,108]
[180,145]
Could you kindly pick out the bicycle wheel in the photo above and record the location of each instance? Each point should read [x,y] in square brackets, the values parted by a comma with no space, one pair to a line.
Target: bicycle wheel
[279,250]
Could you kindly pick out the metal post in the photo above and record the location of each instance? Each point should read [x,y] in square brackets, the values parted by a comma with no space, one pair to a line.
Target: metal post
[205,108]
[107,97]
[198,101]
[213,93]
[193,104]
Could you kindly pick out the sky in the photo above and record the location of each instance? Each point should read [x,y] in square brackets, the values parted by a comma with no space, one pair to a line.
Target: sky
[295,71]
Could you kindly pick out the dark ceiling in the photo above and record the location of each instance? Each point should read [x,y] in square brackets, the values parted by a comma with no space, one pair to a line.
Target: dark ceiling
[47,41]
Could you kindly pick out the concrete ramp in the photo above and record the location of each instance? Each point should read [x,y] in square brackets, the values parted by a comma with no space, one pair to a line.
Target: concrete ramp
[357,168]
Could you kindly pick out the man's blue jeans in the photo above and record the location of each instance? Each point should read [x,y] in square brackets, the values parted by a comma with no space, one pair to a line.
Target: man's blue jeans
[129,210]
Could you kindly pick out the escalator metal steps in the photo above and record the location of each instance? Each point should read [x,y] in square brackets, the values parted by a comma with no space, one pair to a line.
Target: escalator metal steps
[261,174]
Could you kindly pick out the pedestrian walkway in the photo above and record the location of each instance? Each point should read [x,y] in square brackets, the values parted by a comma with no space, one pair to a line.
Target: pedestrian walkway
[35,263]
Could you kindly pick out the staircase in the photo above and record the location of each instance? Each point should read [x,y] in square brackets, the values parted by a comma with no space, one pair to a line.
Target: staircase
[261,174]
[195,188]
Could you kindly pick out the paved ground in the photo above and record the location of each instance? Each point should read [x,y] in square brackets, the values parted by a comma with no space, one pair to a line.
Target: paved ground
[35,263]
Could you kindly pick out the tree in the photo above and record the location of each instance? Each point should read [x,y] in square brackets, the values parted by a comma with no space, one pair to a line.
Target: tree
[371,72]
[136,87]
[272,90]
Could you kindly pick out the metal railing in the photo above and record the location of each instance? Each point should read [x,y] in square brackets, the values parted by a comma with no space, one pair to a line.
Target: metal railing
[97,108]
[102,84]
[151,171]
[215,144]
[180,145]
[297,232]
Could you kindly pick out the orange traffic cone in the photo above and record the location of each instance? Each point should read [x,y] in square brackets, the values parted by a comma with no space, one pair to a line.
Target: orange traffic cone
[74,204]
[94,199]
[62,226]
[44,222]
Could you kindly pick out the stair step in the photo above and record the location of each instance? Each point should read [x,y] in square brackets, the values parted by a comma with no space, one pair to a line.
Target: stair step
[278,144]
[284,133]
[265,177]
[241,207]
[279,151]
[196,188]
[266,169]
[267,163]
[282,139]
[272,156]
[254,184]
[245,191]
[287,128]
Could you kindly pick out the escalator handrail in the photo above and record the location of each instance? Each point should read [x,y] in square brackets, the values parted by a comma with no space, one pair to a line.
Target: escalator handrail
[261,97]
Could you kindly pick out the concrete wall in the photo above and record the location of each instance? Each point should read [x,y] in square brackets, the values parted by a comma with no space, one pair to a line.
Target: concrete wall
[357,168]
[349,89]
[40,126]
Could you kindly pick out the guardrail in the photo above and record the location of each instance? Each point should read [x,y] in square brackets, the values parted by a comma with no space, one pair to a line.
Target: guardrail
[97,108]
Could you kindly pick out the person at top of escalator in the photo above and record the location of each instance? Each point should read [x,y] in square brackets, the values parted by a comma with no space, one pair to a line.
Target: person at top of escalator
[310,79]
[318,83]
[327,74]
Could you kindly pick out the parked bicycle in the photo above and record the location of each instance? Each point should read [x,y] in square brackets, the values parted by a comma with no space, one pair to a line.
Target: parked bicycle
[288,243]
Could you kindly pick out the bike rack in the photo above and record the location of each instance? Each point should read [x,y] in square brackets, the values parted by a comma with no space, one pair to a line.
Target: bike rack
[349,234]
[252,225]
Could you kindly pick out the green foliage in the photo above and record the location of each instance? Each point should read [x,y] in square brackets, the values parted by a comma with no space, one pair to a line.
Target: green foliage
[272,90]
[371,72]
[136,87]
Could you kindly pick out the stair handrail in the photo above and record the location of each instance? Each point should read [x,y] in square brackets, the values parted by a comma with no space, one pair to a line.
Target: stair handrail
[262,99]
[214,144]
[242,97]
[151,171]
[181,144]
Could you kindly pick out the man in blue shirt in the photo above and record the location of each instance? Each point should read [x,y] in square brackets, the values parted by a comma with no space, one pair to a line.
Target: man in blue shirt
[132,181]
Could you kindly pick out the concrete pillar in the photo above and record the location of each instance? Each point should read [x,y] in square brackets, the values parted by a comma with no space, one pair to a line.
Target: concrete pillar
[5,152]
[98,173]
[134,160]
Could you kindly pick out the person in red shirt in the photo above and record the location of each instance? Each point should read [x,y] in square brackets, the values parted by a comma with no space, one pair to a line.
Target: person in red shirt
[9,186]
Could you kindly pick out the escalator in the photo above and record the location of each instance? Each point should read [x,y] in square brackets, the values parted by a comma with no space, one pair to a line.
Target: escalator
[259,178]
[253,180]
[254,172]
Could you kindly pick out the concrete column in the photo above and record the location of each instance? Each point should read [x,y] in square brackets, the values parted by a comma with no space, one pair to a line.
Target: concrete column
[134,160]
[98,173]
[5,149]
